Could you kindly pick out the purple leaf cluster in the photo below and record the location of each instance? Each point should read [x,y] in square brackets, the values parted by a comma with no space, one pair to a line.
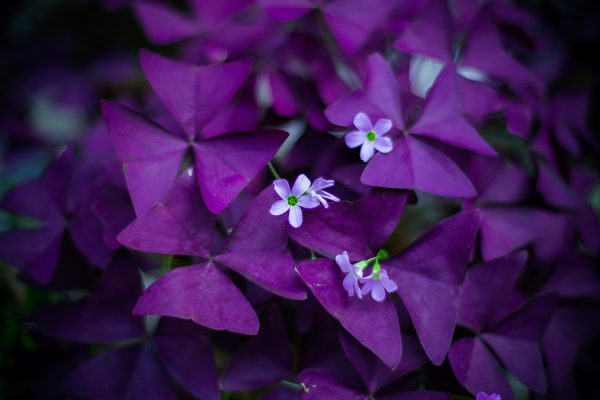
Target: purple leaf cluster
[315,200]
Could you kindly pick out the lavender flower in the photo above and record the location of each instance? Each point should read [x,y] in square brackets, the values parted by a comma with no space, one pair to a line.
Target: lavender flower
[316,191]
[485,396]
[302,195]
[353,274]
[378,284]
[369,137]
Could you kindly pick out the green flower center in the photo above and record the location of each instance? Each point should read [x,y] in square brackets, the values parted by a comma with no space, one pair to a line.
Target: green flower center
[292,200]
[371,136]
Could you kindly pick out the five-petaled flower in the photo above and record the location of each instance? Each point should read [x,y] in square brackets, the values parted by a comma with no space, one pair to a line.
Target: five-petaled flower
[353,274]
[369,137]
[302,195]
[377,283]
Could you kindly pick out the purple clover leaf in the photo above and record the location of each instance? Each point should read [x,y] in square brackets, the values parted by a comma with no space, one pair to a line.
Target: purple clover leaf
[196,96]
[419,158]
[369,137]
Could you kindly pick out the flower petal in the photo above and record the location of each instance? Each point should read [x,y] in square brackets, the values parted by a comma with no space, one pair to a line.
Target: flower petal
[307,201]
[279,207]
[301,185]
[282,187]
[378,293]
[362,122]
[388,285]
[367,151]
[343,261]
[354,139]
[295,217]
[322,183]
[383,144]
[350,284]
[382,126]
[367,287]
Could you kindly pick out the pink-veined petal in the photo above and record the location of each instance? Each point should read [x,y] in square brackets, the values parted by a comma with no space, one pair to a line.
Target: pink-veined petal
[382,126]
[362,122]
[301,185]
[354,139]
[282,187]
[383,144]
[295,217]
[279,207]
[367,151]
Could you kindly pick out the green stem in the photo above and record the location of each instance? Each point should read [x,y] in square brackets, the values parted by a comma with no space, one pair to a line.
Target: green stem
[294,386]
[273,170]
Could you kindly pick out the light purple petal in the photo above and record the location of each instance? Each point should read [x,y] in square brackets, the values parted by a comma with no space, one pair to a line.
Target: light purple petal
[282,187]
[350,284]
[388,284]
[367,151]
[322,183]
[343,261]
[382,126]
[295,216]
[301,185]
[378,293]
[383,144]
[367,287]
[354,139]
[362,122]
[307,201]
[279,207]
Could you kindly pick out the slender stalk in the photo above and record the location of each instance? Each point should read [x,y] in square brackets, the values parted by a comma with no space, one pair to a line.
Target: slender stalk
[294,386]
[273,170]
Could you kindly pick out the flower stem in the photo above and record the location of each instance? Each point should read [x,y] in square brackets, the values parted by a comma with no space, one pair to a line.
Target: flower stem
[273,170]
[294,386]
